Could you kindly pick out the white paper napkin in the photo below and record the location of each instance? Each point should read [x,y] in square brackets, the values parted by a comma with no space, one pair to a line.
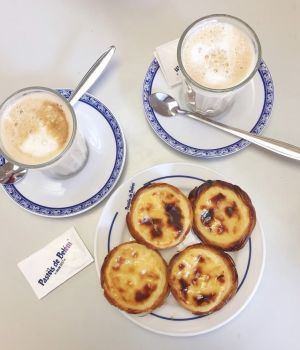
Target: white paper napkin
[52,265]
[166,56]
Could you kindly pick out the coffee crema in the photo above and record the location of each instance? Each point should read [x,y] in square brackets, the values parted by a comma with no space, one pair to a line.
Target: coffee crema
[35,128]
[218,55]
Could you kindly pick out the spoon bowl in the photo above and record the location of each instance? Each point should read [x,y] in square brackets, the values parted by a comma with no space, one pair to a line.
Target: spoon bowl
[164,104]
[11,173]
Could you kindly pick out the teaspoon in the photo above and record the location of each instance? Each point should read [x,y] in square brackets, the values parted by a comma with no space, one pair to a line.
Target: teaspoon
[11,173]
[167,106]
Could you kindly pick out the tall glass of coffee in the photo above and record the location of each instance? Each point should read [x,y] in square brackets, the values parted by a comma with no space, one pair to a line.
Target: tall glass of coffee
[38,130]
[217,55]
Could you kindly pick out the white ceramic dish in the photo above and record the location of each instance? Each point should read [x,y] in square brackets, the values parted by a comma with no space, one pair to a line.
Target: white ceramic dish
[172,319]
[250,112]
[42,195]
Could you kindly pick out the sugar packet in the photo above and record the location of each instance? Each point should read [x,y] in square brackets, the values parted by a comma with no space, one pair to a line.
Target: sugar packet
[58,261]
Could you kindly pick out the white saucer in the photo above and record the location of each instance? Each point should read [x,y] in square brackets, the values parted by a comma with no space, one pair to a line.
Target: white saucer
[250,112]
[172,319]
[45,196]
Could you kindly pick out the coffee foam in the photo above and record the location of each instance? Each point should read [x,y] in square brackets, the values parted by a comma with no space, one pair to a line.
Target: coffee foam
[218,55]
[35,128]
[39,144]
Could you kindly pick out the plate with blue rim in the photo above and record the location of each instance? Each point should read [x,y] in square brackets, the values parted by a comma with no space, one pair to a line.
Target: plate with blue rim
[57,198]
[171,319]
[250,111]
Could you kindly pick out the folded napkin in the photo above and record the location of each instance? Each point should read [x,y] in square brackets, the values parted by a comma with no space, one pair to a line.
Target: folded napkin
[55,263]
[166,56]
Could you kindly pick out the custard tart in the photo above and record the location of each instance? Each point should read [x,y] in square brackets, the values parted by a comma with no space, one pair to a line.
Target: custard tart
[223,214]
[134,278]
[160,216]
[202,278]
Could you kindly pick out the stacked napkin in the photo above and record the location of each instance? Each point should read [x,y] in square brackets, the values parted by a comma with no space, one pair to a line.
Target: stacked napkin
[166,56]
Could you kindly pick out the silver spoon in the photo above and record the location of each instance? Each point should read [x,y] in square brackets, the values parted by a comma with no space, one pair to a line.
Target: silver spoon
[12,173]
[167,106]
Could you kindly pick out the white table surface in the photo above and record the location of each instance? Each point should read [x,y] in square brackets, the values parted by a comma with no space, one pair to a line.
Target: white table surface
[53,43]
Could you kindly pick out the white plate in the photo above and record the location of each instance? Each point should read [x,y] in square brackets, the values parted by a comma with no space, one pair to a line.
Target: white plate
[172,319]
[250,112]
[49,197]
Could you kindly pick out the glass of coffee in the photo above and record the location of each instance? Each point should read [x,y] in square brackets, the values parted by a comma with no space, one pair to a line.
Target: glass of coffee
[217,55]
[38,130]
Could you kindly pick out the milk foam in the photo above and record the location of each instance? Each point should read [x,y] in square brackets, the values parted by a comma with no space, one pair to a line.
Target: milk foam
[218,55]
[35,128]
[39,144]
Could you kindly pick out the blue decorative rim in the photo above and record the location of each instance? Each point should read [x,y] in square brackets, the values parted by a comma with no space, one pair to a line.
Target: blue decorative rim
[35,208]
[207,153]
[242,280]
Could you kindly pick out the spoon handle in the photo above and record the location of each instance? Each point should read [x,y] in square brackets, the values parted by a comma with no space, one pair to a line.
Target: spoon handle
[92,75]
[273,145]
